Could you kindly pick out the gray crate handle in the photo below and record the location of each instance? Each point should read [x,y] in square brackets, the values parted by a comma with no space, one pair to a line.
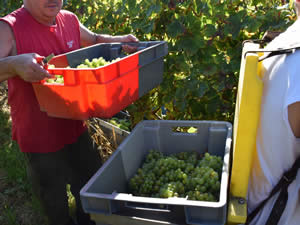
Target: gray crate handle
[170,125]
[151,207]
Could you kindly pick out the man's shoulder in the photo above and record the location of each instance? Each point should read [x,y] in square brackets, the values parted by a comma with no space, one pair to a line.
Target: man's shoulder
[7,22]
[19,11]
[65,12]
[14,16]
[68,17]
[5,28]
[7,40]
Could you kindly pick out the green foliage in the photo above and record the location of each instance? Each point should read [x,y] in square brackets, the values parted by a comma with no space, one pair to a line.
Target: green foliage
[205,42]
[11,159]
[6,6]
[10,215]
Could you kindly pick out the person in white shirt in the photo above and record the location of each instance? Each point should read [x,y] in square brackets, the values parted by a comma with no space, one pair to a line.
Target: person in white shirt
[278,134]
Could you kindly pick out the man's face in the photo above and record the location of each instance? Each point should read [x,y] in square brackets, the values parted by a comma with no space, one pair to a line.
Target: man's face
[44,8]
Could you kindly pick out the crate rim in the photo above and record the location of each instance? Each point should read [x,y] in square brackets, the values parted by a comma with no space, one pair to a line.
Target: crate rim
[99,44]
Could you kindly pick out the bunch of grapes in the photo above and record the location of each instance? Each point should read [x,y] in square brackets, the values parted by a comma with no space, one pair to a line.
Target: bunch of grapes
[211,161]
[124,124]
[185,174]
[58,79]
[96,62]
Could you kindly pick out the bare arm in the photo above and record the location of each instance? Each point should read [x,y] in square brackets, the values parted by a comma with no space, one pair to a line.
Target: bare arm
[25,66]
[6,46]
[88,37]
[294,118]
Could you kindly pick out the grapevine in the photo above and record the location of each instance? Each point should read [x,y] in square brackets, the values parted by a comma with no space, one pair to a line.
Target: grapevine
[205,41]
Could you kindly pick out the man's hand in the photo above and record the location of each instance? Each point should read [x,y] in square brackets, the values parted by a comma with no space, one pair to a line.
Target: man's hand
[27,68]
[88,38]
[128,38]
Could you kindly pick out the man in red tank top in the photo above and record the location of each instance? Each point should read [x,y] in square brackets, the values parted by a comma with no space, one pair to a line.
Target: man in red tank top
[58,151]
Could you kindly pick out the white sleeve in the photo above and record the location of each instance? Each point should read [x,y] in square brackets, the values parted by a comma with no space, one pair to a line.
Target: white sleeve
[293,89]
[293,73]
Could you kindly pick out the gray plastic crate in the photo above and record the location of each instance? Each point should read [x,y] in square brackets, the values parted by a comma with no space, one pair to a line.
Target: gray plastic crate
[107,191]
[111,130]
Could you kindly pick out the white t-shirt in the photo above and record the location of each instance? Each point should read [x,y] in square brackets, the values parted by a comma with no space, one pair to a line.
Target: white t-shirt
[277,147]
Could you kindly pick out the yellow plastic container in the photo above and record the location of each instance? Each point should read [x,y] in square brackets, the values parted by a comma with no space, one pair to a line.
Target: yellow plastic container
[246,119]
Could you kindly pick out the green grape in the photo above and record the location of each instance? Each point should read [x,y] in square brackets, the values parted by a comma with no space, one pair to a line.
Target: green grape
[215,162]
[124,127]
[50,81]
[94,63]
[102,62]
[58,79]
[51,66]
[82,66]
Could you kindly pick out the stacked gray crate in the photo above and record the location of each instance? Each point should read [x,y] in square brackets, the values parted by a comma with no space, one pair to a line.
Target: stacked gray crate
[107,191]
[112,131]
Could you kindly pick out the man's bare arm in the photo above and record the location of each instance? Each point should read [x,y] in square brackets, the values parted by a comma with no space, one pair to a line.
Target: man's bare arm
[6,46]
[25,65]
[294,118]
[88,38]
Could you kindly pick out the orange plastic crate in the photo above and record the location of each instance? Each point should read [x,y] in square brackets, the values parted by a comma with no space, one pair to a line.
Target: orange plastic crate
[101,92]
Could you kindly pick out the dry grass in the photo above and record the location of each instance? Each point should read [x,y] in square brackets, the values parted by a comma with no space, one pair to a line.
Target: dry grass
[106,145]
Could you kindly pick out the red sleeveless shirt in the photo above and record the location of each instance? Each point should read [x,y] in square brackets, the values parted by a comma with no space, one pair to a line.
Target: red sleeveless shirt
[31,128]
